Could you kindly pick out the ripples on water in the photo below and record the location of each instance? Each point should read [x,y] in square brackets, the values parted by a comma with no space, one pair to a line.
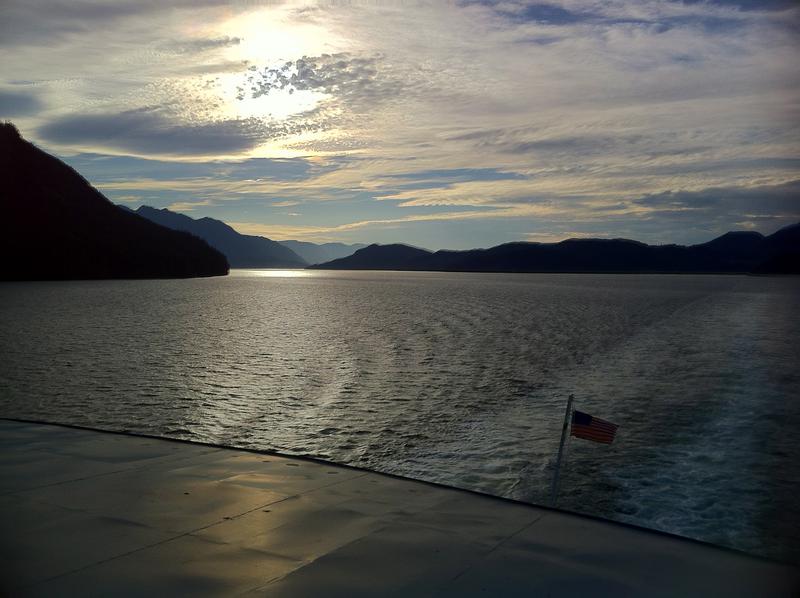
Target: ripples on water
[455,378]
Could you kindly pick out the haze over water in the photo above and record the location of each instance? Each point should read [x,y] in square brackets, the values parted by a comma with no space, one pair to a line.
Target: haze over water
[454,378]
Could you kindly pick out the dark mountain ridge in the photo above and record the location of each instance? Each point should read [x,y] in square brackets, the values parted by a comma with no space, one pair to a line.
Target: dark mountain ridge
[390,257]
[242,251]
[742,252]
[56,226]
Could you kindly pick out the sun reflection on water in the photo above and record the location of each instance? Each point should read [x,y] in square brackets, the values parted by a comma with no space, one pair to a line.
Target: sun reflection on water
[272,273]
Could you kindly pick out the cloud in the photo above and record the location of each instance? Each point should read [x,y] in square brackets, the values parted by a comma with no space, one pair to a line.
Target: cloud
[149,131]
[14,103]
[101,169]
[33,22]
[572,145]
[279,231]
[154,131]
[197,45]
[188,206]
[459,174]
[546,13]
[355,80]
[738,202]
[640,11]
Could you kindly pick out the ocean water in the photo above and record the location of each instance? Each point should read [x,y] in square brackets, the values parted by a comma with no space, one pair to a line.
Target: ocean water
[455,378]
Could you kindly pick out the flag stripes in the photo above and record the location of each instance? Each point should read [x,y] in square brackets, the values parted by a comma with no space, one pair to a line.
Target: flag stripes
[592,428]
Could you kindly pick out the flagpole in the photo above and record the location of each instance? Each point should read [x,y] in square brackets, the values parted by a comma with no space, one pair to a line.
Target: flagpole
[554,488]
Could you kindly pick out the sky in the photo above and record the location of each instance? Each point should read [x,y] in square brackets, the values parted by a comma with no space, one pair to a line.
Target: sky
[438,124]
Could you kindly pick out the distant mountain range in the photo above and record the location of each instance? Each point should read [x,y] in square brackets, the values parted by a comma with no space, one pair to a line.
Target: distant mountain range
[314,253]
[248,251]
[242,251]
[56,226]
[732,252]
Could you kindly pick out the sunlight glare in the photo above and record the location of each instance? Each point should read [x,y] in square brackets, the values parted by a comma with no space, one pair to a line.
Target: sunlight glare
[268,39]
[269,35]
[271,273]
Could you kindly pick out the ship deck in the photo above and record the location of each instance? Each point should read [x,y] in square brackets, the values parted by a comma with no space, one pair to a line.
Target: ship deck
[96,513]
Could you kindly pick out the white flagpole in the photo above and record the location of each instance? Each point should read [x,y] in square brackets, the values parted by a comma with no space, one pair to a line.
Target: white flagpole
[554,488]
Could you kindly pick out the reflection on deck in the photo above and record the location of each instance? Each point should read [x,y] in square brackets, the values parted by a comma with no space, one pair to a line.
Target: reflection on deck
[91,513]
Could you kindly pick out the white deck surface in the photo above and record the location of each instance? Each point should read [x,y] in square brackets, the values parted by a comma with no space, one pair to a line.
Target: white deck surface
[87,513]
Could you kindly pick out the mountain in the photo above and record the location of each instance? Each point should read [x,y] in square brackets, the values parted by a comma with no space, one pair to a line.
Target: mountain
[783,249]
[56,226]
[732,252]
[381,257]
[242,251]
[318,253]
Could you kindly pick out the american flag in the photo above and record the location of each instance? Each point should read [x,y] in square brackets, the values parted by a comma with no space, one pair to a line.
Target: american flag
[592,428]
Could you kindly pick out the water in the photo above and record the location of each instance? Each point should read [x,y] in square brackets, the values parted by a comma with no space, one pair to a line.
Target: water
[455,378]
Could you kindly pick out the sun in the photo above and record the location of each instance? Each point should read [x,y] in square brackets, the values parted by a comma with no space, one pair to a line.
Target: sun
[273,34]
[269,37]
